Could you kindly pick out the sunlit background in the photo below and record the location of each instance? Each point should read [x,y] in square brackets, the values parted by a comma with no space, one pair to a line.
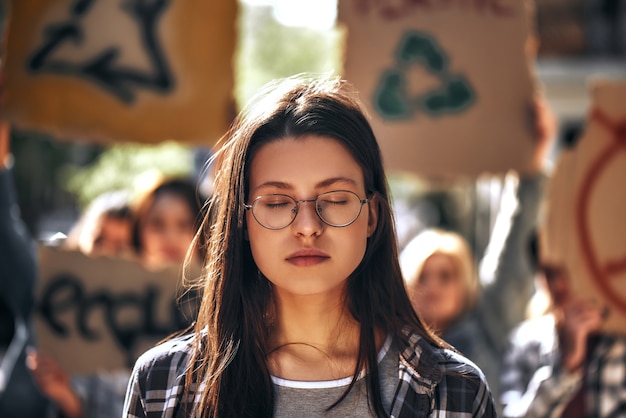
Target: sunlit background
[56,179]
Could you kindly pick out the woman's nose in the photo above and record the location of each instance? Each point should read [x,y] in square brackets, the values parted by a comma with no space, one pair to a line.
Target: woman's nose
[307,222]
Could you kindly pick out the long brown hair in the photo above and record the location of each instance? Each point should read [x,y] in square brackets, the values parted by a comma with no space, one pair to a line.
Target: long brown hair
[229,371]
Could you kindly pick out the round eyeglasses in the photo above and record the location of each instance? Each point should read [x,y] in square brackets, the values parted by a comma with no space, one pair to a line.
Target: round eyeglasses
[338,208]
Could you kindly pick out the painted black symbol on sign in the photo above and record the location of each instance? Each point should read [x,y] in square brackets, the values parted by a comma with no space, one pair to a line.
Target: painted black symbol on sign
[392,99]
[103,68]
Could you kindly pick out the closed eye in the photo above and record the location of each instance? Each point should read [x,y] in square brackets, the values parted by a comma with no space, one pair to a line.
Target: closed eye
[335,202]
[276,205]
[276,202]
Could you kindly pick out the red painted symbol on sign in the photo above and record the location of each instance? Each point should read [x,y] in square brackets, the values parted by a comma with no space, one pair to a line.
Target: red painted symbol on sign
[602,274]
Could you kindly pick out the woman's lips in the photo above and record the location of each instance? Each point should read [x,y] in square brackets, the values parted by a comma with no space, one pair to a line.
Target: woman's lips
[307,257]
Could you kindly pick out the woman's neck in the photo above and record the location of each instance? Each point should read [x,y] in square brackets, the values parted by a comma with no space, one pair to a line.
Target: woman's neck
[314,338]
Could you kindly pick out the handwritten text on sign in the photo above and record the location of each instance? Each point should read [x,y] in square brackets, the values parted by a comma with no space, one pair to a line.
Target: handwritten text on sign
[99,305]
[392,9]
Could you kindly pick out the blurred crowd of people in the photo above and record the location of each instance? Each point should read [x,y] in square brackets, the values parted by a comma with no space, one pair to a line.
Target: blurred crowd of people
[556,364]
[541,359]
[155,227]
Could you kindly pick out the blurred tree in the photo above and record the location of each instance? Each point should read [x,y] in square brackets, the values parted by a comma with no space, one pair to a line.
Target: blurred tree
[38,162]
[270,50]
[124,167]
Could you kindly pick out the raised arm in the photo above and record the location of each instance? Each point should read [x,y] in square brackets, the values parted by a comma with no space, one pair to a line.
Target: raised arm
[505,271]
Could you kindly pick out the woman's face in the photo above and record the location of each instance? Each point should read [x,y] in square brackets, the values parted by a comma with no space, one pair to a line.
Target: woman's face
[307,257]
[167,231]
[112,238]
[439,293]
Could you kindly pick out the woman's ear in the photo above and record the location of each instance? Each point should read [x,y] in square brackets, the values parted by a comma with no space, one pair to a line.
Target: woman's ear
[372,219]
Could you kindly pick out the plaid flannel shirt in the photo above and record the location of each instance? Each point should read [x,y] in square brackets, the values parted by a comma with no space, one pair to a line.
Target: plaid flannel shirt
[535,386]
[449,386]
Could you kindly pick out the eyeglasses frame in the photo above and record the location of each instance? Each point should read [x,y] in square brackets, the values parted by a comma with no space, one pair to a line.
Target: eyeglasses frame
[297,207]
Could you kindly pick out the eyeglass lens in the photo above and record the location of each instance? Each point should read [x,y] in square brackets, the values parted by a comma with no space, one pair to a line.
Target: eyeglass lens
[336,208]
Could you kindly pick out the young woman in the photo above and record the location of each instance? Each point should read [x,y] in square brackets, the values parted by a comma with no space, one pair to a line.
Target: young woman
[304,311]
[165,223]
[438,267]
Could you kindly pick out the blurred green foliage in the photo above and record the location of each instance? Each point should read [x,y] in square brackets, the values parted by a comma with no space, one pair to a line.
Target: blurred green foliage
[123,166]
[269,50]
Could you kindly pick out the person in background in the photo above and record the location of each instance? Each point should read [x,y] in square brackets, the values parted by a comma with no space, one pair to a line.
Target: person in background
[304,311]
[441,280]
[166,219]
[162,229]
[105,228]
[561,364]
[476,312]
[19,395]
[165,222]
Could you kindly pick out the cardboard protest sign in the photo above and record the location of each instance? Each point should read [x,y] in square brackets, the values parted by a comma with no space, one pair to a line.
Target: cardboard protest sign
[447,84]
[584,228]
[113,70]
[95,314]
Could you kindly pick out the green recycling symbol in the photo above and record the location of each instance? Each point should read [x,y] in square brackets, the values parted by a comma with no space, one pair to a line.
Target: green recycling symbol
[391,98]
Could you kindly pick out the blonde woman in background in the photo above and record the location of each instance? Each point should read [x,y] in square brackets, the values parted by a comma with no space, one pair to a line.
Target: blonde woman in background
[476,312]
[440,275]
[474,315]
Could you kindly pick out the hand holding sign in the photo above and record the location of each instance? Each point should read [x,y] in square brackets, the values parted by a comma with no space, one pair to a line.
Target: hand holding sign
[55,383]
[105,308]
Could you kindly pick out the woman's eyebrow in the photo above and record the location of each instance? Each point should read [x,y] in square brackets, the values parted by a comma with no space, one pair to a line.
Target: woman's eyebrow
[335,180]
[322,184]
[275,184]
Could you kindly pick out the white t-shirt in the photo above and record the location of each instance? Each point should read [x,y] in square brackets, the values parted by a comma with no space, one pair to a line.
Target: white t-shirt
[311,399]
